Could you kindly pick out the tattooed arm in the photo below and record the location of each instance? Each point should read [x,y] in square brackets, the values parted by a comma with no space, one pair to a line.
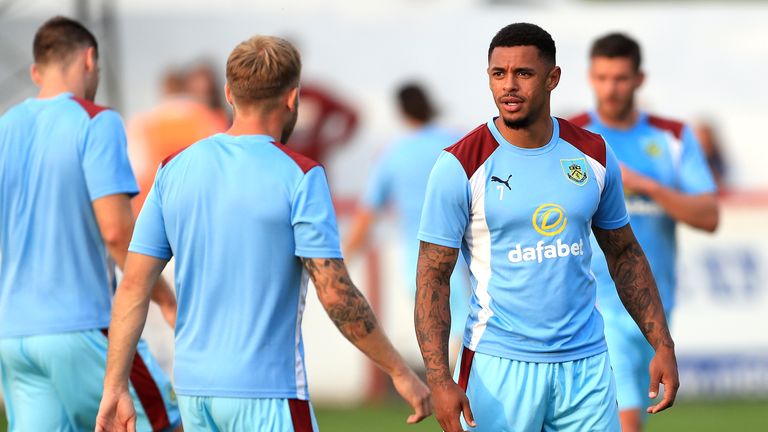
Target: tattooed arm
[433,323]
[637,290]
[352,315]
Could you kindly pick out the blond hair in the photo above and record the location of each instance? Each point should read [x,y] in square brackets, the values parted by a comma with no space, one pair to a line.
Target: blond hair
[262,68]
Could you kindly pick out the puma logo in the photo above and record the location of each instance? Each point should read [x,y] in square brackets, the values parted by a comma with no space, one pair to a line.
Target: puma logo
[505,183]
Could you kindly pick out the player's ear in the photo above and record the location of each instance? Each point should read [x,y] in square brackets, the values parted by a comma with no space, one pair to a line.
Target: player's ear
[640,78]
[228,95]
[90,59]
[553,79]
[293,99]
[36,74]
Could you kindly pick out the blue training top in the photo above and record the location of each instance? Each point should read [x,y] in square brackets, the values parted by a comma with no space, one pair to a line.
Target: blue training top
[57,155]
[237,212]
[523,218]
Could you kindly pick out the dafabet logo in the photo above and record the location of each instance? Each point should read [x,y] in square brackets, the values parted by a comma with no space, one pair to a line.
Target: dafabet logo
[548,220]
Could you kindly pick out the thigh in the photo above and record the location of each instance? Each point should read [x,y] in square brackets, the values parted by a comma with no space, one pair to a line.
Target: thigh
[76,363]
[504,395]
[31,401]
[584,398]
[195,415]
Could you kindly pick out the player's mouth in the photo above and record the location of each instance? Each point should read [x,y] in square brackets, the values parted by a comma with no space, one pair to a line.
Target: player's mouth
[511,103]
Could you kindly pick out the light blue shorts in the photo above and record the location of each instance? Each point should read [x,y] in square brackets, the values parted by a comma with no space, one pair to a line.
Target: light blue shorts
[631,354]
[225,414]
[510,395]
[54,383]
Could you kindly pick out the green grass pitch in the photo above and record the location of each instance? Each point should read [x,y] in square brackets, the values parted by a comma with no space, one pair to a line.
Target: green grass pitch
[699,416]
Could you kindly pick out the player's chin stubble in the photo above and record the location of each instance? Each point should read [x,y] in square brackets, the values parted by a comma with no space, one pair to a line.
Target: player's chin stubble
[518,124]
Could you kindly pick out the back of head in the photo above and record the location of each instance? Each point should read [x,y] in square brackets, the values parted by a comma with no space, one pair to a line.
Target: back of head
[58,39]
[617,45]
[414,103]
[261,69]
[173,82]
[525,34]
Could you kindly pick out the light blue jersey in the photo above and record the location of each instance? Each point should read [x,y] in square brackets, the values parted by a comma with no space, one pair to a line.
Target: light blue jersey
[523,218]
[237,212]
[667,152]
[56,156]
[400,178]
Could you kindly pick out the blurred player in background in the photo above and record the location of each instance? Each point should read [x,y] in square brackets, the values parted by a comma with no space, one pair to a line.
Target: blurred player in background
[325,123]
[249,221]
[202,83]
[182,118]
[706,132]
[400,178]
[666,180]
[65,220]
[519,196]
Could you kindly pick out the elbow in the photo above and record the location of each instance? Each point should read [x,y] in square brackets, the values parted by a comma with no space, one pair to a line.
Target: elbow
[116,237]
[711,225]
[712,221]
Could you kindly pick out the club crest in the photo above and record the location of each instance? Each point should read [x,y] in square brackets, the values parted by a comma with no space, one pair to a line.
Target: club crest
[575,170]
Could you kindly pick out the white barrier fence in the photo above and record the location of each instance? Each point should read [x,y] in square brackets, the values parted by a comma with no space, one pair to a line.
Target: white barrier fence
[721,322]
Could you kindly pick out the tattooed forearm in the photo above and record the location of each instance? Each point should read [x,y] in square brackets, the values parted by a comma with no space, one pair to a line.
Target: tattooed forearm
[343,302]
[433,312]
[634,283]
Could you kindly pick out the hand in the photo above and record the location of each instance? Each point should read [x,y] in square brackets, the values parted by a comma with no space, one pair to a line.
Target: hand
[415,392]
[116,412]
[663,369]
[450,403]
[636,182]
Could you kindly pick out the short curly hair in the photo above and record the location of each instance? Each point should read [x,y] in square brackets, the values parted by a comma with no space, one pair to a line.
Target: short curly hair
[525,34]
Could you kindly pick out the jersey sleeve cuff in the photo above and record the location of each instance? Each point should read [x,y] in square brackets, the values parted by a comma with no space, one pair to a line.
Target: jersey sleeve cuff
[155,252]
[319,253]
[611,225]
[438,240]
[127,188]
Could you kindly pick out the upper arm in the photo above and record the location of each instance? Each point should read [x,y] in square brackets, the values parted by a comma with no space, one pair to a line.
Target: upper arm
[115,218]
[142,272]
[611,211]
[436,260]
[614,242]
[445,213]
[105,164]
[326,274]
[313,218]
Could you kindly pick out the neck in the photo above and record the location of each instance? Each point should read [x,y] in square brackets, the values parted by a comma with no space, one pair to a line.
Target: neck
[624,120]
[56,81]
[414,124]
[254,123]
[534,136]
